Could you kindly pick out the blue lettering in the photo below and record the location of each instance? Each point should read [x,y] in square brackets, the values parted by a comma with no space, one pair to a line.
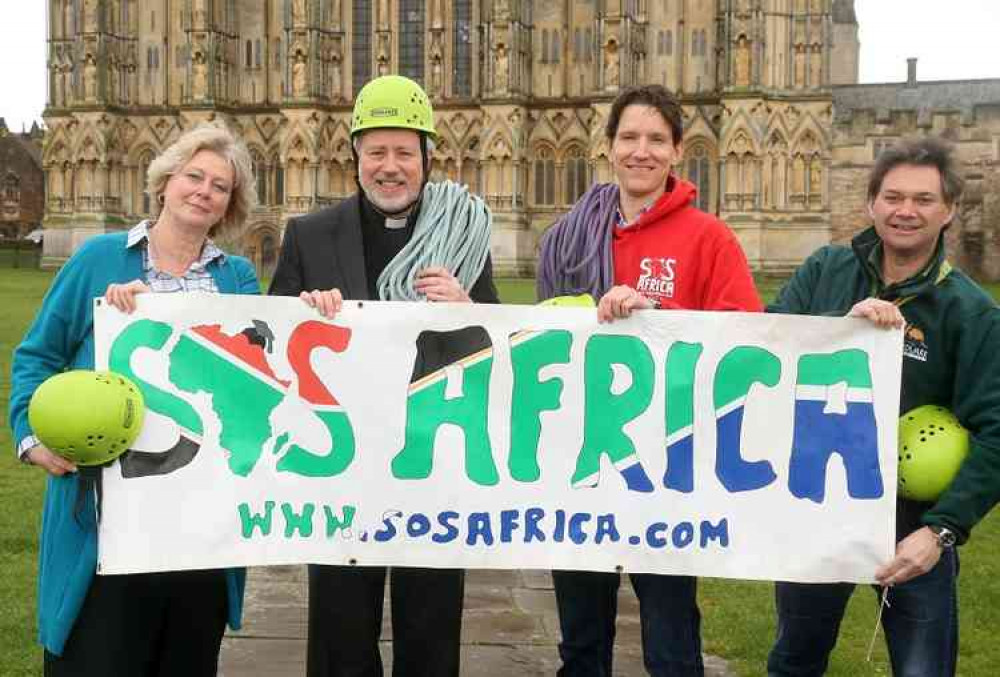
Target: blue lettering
[576,522]
[418,525]
[606,529]
[446,519]
[532,516]
[715,532]
[479,527]
[559,533]
[389,531]
[508,524]
[683,535]
[654,536]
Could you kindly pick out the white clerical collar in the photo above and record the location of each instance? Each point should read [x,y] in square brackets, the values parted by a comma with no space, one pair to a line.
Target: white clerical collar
[395,224]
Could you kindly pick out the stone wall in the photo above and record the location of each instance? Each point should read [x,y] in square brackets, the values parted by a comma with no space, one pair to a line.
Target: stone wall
[22,185]
[965,113]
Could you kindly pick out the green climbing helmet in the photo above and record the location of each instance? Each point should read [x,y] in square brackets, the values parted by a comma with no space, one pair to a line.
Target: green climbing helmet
[392,101]
[932,446]
[87,417]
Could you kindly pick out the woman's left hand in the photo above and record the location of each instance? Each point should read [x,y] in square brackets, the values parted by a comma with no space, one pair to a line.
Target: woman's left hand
[438,284]
[619,302]
[122,296]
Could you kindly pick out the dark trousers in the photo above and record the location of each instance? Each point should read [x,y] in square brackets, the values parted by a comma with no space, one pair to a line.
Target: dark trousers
[668,613]
[345,621]
[920,623]
[147,625]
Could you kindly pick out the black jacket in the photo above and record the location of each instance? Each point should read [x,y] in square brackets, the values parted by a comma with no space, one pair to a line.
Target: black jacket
[324,250]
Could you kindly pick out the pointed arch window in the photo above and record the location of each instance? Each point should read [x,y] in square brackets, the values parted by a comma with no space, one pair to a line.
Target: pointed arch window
[279,181]
[699,173]
[361,44]
[556,46]
[577,175]
[411,40]
[11,189]
[545,177]
[260,172]
[145,159]
[668,43]
[462,14]
[545,46]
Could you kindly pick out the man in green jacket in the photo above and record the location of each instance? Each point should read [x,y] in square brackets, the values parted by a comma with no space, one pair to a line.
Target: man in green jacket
[895,273]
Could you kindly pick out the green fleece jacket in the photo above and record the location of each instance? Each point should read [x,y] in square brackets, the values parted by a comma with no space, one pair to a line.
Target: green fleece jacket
[951,358]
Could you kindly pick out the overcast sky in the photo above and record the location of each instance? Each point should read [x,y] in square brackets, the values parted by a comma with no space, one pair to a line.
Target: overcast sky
[953,40]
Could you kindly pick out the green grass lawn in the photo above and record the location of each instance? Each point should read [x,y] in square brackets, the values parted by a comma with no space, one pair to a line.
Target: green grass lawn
[738,615]
[21,489]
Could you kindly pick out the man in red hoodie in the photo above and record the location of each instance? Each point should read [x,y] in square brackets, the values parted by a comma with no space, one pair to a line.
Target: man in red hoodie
[640,244]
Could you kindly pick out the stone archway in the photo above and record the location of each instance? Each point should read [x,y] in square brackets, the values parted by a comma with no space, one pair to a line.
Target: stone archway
[261,245]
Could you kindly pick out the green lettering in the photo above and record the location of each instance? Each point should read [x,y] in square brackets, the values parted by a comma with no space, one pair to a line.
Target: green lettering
[301,522]
[250,521]
[334,523]
[607,412]
[531,396]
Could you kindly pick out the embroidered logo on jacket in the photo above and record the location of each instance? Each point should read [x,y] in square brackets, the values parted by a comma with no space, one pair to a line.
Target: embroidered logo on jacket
[656,277]
[914,345]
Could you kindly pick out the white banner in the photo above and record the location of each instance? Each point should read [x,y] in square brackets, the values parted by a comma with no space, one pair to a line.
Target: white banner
[716,444]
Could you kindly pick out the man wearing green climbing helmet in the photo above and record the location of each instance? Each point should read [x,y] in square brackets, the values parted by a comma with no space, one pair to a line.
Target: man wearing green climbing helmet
[399,238]
[397,162]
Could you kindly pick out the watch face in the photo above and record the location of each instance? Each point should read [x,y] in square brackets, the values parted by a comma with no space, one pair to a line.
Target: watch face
[946,538]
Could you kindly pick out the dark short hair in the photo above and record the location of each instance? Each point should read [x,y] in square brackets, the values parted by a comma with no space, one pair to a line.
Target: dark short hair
[656,96]
[927,151]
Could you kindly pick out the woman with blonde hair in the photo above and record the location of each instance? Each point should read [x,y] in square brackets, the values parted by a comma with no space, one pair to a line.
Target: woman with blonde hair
[168,623]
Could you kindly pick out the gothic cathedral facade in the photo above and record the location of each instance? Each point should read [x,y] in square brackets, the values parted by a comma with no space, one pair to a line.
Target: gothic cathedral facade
[521,90]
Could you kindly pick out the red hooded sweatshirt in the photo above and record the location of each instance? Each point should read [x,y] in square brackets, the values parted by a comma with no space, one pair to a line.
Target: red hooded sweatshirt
[680,257]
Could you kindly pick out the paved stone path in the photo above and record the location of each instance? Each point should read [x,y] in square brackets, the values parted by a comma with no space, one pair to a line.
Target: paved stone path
[509,629]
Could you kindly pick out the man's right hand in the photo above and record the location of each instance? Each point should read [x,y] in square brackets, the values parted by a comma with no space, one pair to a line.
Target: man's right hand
[53,463]
[328,301]
[881,313]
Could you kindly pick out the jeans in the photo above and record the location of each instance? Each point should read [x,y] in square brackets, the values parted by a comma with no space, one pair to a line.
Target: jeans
[668,612]
[920,624]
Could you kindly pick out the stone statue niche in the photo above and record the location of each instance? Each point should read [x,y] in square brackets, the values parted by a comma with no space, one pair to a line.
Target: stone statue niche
[299,74]
[742,62]
[501,68]
[611,69]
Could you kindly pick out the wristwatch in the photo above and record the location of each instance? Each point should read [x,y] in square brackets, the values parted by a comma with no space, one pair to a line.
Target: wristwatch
[945,537]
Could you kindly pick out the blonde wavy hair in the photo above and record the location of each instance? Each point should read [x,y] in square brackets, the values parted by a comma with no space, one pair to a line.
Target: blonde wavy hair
[215,137]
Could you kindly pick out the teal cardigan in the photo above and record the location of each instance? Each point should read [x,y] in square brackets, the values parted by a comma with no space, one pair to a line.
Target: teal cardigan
[62,337]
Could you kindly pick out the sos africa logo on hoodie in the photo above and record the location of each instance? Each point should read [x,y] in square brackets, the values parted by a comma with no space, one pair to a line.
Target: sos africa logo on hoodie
[656,277]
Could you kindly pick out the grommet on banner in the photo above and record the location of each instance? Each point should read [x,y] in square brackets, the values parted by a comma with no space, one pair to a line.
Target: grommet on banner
[619,568]
[353,562]
[878,621]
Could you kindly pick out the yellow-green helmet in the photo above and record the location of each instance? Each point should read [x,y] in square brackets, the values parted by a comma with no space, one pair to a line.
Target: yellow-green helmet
[932,446]
[87,417]
[392,101]
[578,301]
